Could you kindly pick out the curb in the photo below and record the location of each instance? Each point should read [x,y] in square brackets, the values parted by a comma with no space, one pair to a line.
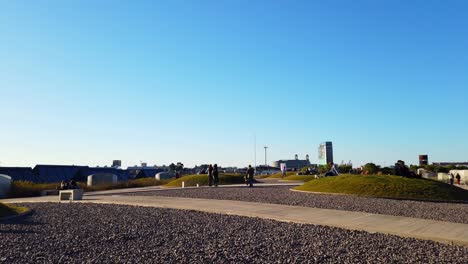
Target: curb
[6,218]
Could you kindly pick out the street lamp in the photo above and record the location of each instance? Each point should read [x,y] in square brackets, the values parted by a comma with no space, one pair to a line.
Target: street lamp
[266,156]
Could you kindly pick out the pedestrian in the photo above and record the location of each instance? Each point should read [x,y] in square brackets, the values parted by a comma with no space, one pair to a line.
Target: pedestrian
[210,175]
[451,178]
[458,178]
[215,175]
[250,176]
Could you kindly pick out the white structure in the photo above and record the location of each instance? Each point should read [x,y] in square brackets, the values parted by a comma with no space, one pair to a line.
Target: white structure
[428,174]
[102,179]
[5,184]
[164,175]
[463,174]
[74,194]
[445,177]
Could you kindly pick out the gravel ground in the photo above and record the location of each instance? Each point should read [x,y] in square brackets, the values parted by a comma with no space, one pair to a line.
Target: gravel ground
[77,233]
[450,212]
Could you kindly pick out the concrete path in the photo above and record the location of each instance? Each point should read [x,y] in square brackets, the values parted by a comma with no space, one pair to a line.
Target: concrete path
[445,232]
[162,188]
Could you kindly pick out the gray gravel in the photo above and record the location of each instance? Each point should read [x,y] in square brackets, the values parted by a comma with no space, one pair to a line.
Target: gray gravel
[77,233]
[450,212]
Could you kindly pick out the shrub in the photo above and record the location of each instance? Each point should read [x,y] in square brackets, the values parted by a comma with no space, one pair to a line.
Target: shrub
[29,189]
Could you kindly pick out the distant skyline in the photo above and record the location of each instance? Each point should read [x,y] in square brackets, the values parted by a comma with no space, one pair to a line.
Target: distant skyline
[86,82]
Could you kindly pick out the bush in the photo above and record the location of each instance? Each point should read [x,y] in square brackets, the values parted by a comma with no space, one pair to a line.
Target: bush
[371,168]
[344,168]
[324,168]
[29,189]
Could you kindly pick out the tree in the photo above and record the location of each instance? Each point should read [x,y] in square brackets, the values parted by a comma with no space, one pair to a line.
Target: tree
[324,168]
[371,168]
[172,167]
[179,166]
[386,171]
[344,168]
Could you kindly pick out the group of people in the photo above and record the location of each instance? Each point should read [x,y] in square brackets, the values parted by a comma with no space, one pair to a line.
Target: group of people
[213,175]
[452,178]
[68,185]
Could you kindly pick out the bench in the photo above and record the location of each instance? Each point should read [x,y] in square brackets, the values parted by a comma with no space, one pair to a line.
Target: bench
[74,194]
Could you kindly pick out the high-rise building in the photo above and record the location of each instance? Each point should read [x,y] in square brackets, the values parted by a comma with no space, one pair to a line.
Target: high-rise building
[423,160]
[326,153]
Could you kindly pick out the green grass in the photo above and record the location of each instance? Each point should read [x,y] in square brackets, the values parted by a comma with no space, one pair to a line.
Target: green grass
[304,178]
[202,180]
[386,186]
[280,175]
[9,210]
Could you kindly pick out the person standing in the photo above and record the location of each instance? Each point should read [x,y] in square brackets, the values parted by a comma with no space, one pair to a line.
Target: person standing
[451,178]
[250,176]
[458,178]
[210,175]
[215,175]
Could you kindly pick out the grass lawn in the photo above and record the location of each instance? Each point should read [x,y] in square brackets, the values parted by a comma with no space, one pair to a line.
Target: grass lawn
[202,180]
[304,178]
[386,186]
[9,210]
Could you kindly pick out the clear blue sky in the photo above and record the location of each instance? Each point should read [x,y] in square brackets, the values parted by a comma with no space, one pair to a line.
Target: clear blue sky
[85,82]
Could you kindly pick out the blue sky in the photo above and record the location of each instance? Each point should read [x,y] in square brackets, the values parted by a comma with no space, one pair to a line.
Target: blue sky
[86,82]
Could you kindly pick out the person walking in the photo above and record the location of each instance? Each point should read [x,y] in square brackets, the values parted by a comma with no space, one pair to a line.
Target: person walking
[458,178]
[210,175]
[215,175]
[451,178]
[250,176]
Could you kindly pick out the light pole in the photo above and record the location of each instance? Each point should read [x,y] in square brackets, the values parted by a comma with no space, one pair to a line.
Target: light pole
[266,165]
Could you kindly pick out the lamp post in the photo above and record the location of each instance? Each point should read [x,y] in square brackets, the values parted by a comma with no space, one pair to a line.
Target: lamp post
[266,165]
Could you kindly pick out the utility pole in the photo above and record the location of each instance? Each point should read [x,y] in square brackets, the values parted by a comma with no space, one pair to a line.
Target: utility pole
[255,152]
[266,165]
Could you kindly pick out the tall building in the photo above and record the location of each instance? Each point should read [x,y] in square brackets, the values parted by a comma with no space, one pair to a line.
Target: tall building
[326,153]
[423,160]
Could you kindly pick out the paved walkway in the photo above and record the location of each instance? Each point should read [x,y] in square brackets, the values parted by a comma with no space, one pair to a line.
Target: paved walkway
[445,232]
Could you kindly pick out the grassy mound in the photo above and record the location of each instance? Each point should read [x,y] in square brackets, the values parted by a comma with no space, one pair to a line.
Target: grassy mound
[304,178]
[9,210]
[386,186]
[202,180]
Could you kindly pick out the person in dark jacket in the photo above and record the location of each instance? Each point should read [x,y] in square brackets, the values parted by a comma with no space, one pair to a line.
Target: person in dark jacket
[458,178]
[249,177]
[210,175]
[215,175]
